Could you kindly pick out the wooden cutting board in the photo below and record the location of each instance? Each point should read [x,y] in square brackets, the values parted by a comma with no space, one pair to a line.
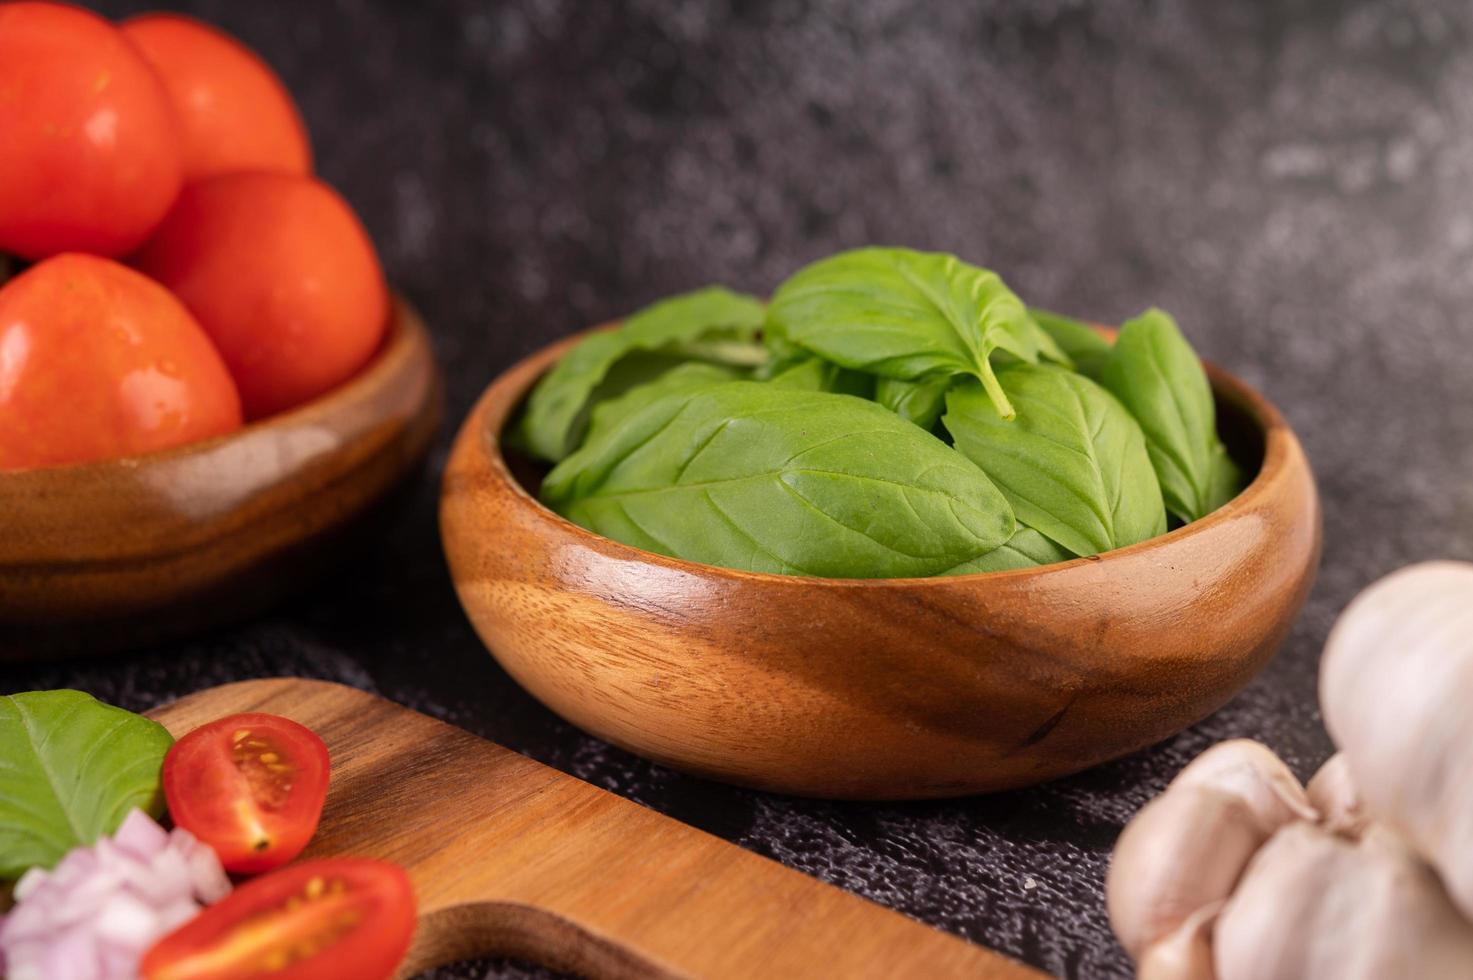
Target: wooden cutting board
[509,856]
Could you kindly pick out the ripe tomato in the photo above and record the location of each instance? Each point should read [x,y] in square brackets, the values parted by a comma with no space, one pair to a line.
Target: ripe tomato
[89,152]
[335,919]
[234,113]
[251,786]
[97,362]
[281,275]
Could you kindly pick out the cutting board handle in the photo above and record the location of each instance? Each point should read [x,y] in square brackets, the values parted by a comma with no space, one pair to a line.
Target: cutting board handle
[527,933]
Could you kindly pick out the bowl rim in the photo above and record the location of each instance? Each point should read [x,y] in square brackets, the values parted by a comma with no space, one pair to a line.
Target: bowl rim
[404,336]
[511,386]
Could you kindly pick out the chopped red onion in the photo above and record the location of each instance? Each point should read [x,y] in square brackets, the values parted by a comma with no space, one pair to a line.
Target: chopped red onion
[95,914]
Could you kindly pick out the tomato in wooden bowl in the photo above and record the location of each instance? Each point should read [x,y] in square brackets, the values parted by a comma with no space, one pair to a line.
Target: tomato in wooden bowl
[106,555]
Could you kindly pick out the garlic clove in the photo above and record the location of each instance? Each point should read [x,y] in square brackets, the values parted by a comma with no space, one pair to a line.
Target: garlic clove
[1314,906]
[1184,954]
[1332,792]
[1395,685]
[1270,929]
[1252,772]
[1182,852]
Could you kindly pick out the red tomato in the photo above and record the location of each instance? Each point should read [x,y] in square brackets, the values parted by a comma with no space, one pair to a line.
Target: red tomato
[281,275]
[234,113]
[337,919]
[97,362]
[251,786]
[89,152]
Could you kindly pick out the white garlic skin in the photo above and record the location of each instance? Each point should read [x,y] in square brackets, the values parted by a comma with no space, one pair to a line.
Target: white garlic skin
[1332,792]
[1186,953]
[1251,771]
[1184,851]
[1396,687]
[1315,906]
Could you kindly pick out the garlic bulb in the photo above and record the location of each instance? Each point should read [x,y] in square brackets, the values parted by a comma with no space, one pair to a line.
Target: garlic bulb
[1182,853]
[1186,849]
[1250,771]
[1332,792]
[1314,906]
[1396,686]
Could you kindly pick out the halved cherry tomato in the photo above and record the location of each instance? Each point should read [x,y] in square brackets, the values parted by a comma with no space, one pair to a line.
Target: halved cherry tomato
[335,919]
[251,786]
[234,113]
[89,149]
[283,278]
[97,362]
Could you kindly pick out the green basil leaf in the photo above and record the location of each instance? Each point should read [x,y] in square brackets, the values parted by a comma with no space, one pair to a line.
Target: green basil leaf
[723,351]
[1025,549]
[633,370]
[70,770]
[1159,379]
[712,324]
[1073,463]
[686,378]
[816,374]
[809,374]
[907,315]
[766,478]
[1081,342]
[1226,480]
[782,354]
[919,402]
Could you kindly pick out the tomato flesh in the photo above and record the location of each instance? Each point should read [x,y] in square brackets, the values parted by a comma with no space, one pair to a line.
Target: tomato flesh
[342,918]
[252,786]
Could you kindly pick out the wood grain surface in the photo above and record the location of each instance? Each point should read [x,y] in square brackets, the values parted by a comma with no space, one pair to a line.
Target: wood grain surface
[509,856]
[124,552]
[883,688]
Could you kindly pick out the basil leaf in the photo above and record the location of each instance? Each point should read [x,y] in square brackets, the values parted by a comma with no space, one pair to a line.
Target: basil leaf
[70,770]
[712,324]
[723,351]
[918,402]
[782,354]
[1081,342]
[632,371]
[907,315]
[686,378]
[773,479]
[1225,481]
[1073,464]
[816,374]
[1025,549]
[809,374]
[1159,379]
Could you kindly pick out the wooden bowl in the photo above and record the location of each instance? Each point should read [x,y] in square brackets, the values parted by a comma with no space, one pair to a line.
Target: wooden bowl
[109,555]
[881,688]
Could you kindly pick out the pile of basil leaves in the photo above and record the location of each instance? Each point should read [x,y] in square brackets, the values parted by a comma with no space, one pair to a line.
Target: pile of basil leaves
[889,413]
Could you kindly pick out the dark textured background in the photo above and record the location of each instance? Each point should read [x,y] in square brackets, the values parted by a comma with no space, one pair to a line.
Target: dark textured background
[1295,182]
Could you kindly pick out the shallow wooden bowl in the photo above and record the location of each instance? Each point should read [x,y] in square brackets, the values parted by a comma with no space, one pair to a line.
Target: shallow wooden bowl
[887,688]
[110,555]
